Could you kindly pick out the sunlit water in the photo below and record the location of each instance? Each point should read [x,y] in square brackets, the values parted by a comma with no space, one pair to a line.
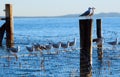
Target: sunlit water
[64,64]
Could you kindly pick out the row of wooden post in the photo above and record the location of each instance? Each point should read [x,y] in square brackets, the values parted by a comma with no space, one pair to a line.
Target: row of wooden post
[7,26]
[86,40]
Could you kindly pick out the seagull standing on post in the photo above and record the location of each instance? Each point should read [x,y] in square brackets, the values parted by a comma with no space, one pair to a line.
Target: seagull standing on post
[89,12]
[86,13]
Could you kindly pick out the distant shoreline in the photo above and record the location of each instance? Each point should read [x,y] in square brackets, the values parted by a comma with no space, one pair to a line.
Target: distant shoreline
[70,15]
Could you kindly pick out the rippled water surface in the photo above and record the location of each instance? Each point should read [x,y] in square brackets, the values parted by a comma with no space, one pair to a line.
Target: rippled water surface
[66,63]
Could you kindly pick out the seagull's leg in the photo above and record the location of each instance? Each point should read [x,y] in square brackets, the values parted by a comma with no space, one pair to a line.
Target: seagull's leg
[16,56]
[68,49]
[48,52]
[8,58]
[35,54]
[42,66]
[41,53]
[30,54]
[56,50]
[20,65]
[65,50]
[114,47]
[35,51]
[73,48]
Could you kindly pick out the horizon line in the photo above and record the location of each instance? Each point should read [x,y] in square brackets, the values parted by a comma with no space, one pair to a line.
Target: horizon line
[67,15]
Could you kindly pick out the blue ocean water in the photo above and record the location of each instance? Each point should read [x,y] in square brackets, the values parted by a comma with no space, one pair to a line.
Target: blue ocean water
[65,64]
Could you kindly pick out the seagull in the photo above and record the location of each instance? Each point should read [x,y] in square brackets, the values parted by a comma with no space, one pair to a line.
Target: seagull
[65,45]
[98,41]
[89,12]
[41,48]
[36,46]
[72,43]
[48,47]
[30,49]
[113,43]
[14,51]
[56,46]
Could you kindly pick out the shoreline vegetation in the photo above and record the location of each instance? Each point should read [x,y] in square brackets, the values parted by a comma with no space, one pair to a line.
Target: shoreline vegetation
[114,14]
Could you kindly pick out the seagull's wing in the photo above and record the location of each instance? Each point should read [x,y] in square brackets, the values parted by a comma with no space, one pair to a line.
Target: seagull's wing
[13,50]
[85,13]
[30,49]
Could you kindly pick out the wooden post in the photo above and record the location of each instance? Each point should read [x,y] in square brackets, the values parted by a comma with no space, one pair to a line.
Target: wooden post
[99,28]
[85,26]
[2,31]
[99,35]
[9,25]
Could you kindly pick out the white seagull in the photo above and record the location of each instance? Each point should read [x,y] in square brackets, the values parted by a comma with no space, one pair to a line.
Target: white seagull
[89,12]
[56,46]
[41,48]
[36,46]
[48,47]
[114,43]
[14,51]
[72,43]
[65,45]
[98,41]
[30,49]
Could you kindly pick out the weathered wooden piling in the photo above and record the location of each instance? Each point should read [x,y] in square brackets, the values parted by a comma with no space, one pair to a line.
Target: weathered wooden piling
[85,26]
[99,28]
[9,25]
[99,35]
[2,31]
